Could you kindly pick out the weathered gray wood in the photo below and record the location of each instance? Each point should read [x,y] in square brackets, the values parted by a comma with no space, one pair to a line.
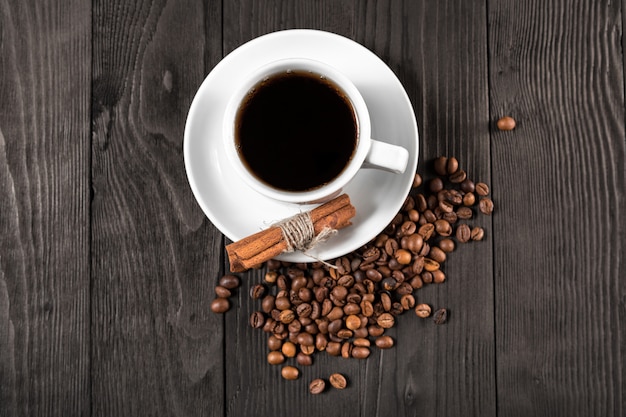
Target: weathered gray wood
[157,348]
[45,53]
[560,184]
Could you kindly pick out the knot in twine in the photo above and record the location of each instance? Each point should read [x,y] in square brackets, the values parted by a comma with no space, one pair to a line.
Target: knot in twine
[299,234]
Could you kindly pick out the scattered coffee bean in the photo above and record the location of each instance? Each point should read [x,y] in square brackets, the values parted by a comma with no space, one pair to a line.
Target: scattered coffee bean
[440,316]
[482,189]
[220,305]
[230,282]
[257,320]
[290,372]
[486,206]
[506,123]
[478,233]
[360,352]
[303,359]
[463,233]
[338,381]
[384,342]
[257,291]
[317,386]
[422,310]
[275,358]
[222,292]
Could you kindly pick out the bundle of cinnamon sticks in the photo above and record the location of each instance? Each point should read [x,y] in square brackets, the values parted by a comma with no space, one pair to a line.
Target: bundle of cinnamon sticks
[267,244]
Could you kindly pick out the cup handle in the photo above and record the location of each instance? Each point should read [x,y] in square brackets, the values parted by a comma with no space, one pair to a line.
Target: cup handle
[387,157]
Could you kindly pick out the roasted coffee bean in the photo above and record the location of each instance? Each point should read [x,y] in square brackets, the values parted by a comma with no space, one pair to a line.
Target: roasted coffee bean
[367,309]
[371,254]
[304,359]
[275,357]
[464,213]
[436,254]
[334,326]
[417,180]
[384,342]
[286,316]
[230,282]
[403,256]
[458,177]
[333,348]
[407,301]
[257,320]
[426,231]
[446,245]
[305,339]
[482,189]
[452,165]
[463,233]
[430,265]
[282,303]
[289,349]
[468,186]
[346,350]
[290,372]
[385,300]
[220,305]
[307,349]
[353,322]
[321,341]
[389,284]
[443,227]
[440,316]
[423,310]
[414,242]
[270,277]
[338,381]
[445,207]
[222,292]
[506,123]
[485,205]
[268,303]
[435,185]
[385,320]
[360,352]
[427,277]
[345,334]
[335,313]
[469,199]
[477,233]
[304,310]
[361,341]
[375,330]
[441,165]
[273,264]
[317,386]
[274,343]
[438,276]
[295,326]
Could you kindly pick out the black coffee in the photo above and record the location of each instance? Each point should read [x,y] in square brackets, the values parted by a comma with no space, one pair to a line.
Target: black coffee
[296,131]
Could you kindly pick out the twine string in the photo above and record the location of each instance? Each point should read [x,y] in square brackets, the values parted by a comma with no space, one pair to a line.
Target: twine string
[299,234]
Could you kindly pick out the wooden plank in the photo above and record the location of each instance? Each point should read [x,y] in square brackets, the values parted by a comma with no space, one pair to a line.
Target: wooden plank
[45,52]
[438,50]
[433,370]
[559,180]
[157,349]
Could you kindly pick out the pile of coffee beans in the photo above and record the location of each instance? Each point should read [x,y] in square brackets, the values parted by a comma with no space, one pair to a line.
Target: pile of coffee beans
[345,308]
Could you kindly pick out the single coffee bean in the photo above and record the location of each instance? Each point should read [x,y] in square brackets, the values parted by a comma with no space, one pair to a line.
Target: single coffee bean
[403,256]
[440,165]
[385,300]
[478,233]
[375,330]
[220,305]
[361,341]
[407,301]
[271,276]
[351,308]
[307,350]
[443,227]
[290,372]
[304,359]
[317,386]
[435,185]
[485,205]
[464,213]
[321,341]
[438,276]
[353,322]
[230,282]
[468,186]
[275,357]
[446,245]
[469,199]
[417,180]
[222,292]
[257,320]
[430,265]
[367,309]
[458,177]
[482,189]
[436,254]
[268,304]
[360,352]
[338,381]
[452,165]
[463,233]
[333,348]
[282,303]
[385,320]
[306,339]
[286,316]
[414,242]
[274,343]
[440,316]
[257,291]
[289,349]
[384,342]
[426,231]
[304,310]
[423,310]
[346,350]
[506,123]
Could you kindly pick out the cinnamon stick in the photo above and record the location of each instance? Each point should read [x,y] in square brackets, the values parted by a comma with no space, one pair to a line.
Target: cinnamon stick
[267,244]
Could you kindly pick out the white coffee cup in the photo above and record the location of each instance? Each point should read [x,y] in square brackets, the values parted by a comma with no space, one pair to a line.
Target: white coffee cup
[367,153]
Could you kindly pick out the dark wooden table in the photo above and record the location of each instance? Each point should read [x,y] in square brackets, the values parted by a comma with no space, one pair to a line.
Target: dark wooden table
[107,263]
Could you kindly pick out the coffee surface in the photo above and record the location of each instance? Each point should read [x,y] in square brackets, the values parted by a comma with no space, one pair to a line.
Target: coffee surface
[296,131]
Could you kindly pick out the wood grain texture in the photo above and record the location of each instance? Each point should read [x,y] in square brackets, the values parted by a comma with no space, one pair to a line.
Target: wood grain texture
[44,209]
[157,349]
[559,178]
[439,51]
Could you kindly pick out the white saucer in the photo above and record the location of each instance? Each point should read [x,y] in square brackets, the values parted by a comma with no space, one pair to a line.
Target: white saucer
[237,210]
